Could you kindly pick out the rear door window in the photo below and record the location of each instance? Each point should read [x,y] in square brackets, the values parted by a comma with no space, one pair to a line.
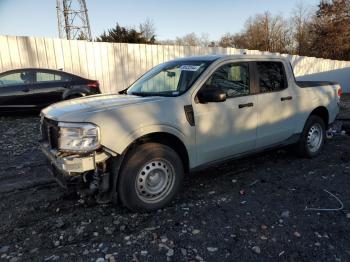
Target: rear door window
[51,77]
[271,76]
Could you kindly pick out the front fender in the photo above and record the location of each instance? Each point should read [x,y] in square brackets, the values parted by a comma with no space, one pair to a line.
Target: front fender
[128,139]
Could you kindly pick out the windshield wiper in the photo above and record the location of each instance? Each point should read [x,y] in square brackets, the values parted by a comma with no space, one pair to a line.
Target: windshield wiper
[123,92]
[149,94]
[141,94]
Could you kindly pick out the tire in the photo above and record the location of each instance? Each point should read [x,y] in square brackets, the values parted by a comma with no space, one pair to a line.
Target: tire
[72,97]
[312,138]
[150,177]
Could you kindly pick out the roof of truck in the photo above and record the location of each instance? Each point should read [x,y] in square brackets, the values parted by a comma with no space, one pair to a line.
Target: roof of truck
[211,58]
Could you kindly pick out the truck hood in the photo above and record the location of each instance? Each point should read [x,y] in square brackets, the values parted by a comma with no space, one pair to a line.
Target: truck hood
[80,108]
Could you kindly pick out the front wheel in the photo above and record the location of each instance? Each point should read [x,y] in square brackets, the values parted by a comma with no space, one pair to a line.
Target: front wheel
[312,138]
[150,177]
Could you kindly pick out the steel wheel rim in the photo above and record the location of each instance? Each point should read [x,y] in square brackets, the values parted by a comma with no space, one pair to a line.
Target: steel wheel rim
[155,180]
[315,137]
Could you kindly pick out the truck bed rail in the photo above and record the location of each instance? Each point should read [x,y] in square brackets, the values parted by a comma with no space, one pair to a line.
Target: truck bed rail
[305,84]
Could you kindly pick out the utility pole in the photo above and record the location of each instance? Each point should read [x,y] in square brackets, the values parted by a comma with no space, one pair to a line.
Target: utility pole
[73,20]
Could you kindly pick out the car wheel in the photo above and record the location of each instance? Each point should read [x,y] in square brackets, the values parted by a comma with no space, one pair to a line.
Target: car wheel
[74,96]
[312,138]
[150,177]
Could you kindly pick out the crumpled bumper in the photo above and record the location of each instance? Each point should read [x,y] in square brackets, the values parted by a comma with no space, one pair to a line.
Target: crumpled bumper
[73,165]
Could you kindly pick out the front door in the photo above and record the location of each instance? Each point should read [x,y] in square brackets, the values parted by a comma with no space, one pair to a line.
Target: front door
[226,128]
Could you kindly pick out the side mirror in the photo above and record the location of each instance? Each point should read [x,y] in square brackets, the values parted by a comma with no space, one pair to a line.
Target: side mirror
[211,95]
[170,74]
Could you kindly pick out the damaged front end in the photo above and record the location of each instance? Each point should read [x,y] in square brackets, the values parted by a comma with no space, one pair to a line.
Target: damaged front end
[77,160]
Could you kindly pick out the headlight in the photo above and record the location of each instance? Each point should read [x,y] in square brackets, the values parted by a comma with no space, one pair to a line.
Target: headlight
[78,137]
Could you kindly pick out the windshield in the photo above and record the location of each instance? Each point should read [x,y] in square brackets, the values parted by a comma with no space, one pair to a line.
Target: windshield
[169,79]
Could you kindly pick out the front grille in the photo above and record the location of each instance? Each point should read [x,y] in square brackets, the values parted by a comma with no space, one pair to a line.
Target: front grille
[50,132]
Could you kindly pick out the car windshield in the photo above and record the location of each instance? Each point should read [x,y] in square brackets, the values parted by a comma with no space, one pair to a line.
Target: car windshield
[169,79]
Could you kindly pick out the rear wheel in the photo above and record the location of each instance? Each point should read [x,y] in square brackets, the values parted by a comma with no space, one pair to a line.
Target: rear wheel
[312,138]
[150,177]
[73,96]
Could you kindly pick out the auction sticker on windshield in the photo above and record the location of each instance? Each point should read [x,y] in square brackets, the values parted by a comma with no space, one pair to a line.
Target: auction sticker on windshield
[189,67]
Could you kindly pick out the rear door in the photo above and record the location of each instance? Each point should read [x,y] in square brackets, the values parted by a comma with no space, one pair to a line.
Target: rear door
[276,104]
[49,86]
[15,89]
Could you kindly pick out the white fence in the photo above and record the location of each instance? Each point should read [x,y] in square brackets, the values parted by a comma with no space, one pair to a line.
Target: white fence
[117,65]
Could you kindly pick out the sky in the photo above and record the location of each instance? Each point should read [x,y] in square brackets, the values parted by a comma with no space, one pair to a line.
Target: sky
[171,18]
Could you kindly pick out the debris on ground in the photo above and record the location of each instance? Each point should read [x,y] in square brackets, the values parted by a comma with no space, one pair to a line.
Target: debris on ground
[341,205]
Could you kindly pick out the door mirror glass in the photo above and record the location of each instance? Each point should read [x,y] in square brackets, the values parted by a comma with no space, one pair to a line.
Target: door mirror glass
[211,95]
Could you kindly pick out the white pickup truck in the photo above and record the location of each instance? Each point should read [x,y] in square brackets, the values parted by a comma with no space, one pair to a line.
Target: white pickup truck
[181,116]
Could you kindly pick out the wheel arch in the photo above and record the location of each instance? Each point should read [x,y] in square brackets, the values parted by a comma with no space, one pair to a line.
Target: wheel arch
[321,112]
[167,139]
[75,92]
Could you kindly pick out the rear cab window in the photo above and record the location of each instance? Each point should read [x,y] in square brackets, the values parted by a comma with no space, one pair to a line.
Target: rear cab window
[271,76]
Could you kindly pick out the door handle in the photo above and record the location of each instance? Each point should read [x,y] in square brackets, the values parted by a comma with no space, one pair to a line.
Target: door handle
[26,89]
[245,105]
[286,98]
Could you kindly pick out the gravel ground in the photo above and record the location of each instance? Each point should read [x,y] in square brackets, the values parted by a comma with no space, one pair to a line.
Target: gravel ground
[251,209]
[345,112]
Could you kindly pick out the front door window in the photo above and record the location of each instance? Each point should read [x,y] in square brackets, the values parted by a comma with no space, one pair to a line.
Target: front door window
[16,78]
[231,78]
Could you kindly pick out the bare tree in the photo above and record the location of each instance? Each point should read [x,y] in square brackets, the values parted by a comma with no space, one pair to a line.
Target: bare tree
[189,40]
[228,40]
[300,22]
[166,42]
[148,30]
[204,40]
[263,32]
